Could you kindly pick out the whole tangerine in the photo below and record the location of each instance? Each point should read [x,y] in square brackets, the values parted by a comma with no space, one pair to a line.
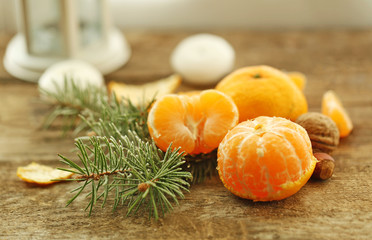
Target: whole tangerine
[265,159]
[263,91]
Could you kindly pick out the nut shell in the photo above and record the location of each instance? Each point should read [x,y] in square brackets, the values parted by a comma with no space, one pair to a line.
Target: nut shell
[322,130]
[324,167]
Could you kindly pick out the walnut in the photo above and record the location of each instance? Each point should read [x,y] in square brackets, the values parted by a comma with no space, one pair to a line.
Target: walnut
[322,130]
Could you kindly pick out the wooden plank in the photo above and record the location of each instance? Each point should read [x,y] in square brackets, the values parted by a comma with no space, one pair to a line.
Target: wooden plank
[340,208]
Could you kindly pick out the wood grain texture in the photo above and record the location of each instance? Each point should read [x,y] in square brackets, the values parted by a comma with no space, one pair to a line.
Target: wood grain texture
[340,208]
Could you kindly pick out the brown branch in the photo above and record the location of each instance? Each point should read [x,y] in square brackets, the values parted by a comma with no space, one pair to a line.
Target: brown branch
[142,187]
[98,176]
[69,105]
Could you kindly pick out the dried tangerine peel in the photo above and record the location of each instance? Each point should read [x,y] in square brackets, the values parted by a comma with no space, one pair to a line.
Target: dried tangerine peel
[138,93]
[265,159]
[40,174]
[333,108]
[196,123]
[263,91]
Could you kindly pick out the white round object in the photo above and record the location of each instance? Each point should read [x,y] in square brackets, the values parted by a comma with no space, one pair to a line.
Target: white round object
[80,72]
[203,59]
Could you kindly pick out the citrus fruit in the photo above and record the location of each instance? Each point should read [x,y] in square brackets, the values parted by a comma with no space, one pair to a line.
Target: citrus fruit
[196,123]
[333,108]
[298,78]
[40,174]
[144,93]
[264,159]
[263,91]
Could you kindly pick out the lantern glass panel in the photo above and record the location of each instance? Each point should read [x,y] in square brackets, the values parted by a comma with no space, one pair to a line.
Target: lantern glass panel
[43,27]
[90,22]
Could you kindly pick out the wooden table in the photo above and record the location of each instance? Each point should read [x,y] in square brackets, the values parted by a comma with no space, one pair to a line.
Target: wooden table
[340,208]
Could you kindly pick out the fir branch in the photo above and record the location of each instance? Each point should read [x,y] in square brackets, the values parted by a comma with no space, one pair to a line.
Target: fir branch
[71,101]
[91,109]
[201,166]
[119,117]
[132,171]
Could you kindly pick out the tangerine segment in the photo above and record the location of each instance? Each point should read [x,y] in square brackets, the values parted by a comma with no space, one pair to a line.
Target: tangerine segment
[263,91]
[265,159]
[197,123]
[333,108]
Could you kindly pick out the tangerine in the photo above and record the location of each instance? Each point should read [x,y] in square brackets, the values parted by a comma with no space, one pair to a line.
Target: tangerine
[263,91]
[264,159]
[333,108]
[197,122]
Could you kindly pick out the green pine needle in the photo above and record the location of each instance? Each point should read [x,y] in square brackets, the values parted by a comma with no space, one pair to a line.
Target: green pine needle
[70,101]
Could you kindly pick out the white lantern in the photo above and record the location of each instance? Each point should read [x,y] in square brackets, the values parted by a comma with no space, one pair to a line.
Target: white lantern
[54,30]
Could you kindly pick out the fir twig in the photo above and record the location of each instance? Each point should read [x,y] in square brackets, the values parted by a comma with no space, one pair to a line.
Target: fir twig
[70,101]
[134,172]
[119,117]
[92,109]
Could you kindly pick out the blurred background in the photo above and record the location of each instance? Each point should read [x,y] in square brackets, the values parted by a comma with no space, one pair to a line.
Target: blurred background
[53,34]
[226,14]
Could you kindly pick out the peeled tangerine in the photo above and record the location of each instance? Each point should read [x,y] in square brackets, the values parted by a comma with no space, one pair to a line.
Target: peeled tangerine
[265,159]
[194,122]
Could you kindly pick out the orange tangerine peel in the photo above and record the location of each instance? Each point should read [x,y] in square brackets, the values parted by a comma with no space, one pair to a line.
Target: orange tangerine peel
[40,174]
[298,78]
[144,93]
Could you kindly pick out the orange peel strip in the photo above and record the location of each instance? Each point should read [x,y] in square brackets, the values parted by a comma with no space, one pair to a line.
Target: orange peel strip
[40,174]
